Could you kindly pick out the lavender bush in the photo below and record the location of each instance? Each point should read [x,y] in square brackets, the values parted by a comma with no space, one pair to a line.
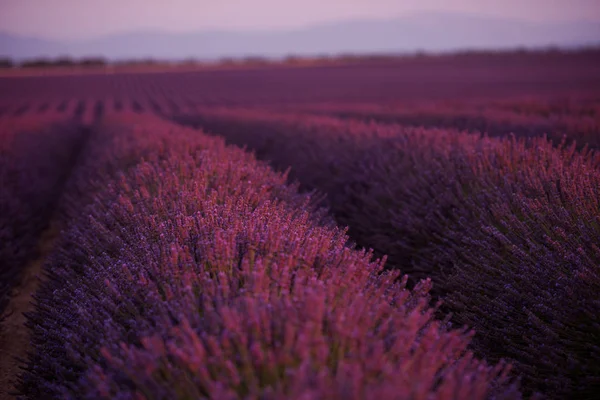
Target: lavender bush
[569,119]
[507,229]
[36,155]
[197,273]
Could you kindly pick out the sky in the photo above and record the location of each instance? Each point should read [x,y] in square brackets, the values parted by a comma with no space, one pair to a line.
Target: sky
[85,19]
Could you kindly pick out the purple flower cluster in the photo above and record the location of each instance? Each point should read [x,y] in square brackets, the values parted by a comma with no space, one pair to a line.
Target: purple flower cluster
[190,270]
[574,119]
[33,166]
[507,229]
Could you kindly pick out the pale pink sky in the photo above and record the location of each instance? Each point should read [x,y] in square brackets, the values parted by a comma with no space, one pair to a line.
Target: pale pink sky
[82,19]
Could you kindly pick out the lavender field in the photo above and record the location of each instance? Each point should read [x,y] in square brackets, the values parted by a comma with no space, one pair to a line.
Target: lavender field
[421,228]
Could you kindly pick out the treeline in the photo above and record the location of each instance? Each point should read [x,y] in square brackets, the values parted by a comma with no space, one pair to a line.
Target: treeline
[292,59]
[6,63]
[43,62]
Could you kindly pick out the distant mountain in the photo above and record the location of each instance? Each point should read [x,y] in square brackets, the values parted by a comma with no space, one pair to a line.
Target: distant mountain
[19,47]
[426,31]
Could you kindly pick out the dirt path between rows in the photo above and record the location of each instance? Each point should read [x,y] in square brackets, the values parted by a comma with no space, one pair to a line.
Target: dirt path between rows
[14,336]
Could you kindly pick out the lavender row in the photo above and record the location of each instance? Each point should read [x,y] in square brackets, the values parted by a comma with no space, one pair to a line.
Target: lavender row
[507,229]
[36,156]
[190,270]
[571,120]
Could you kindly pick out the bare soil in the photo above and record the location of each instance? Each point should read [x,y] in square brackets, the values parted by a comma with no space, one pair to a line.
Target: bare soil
[14,336]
